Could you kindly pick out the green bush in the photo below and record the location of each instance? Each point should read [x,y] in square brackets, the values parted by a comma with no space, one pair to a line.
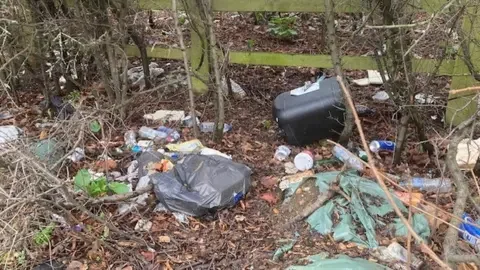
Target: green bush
[282,27]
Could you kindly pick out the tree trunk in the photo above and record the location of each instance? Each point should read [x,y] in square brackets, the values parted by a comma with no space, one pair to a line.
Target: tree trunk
[191,95]
[337,66]
[220,109]
[138,40]
[401,138]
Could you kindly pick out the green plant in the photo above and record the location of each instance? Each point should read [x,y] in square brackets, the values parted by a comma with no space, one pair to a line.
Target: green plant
[21,257]
[182,19]
[267,124]
[74,96]
[97,187]
[95,126]
[282,27]
[43,237]
[262,17]
[250,43]
[259,17]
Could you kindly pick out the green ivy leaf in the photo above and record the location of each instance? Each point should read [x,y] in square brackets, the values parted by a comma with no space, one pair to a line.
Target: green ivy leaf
[95,126]
[82,179]
[98,187]
[118,188]
[42,237]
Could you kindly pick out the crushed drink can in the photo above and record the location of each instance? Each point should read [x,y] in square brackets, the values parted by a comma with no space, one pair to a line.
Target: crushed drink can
[470,232]
[377,146]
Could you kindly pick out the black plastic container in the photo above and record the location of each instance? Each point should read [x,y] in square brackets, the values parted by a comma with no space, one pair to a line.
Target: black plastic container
[313,116]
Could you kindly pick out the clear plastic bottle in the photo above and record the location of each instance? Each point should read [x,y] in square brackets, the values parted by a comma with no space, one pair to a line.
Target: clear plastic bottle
[349,159]
[150,133]
[172,134]
[282,152]
[429,185]
[210,126]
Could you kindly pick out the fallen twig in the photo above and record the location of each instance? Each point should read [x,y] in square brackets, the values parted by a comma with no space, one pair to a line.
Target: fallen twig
[70,200]
[380,181]
[468,89]
[465,258]
[119,197]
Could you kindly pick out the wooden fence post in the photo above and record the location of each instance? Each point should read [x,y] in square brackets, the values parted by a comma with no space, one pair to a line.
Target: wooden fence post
[198,49]
[462,106]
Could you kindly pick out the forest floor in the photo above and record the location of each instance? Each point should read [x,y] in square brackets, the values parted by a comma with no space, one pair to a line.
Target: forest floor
[247,235]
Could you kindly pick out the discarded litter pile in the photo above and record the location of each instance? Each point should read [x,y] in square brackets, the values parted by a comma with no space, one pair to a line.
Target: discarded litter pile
[349,208]
[353,209]
[362,209]
[188,178]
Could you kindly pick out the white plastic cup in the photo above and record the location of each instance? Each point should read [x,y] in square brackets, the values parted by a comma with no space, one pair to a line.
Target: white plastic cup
[282,152]
[304,161]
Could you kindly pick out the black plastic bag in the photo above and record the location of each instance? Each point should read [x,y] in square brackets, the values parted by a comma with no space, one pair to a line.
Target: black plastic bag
[202,184]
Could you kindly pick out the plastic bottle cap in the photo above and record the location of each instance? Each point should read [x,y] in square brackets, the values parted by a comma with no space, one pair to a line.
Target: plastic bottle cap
[374,146]
[304,161]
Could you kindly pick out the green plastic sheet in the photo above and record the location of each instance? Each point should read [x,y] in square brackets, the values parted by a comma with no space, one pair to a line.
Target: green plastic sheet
[283,249]
[367,202]
[341,262]
[419,223]
[48,150]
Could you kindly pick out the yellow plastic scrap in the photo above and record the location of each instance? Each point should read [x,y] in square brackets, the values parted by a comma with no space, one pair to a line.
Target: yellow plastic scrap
[185,147]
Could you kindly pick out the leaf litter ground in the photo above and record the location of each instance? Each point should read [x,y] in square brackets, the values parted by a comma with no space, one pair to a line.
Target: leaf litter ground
[248,234]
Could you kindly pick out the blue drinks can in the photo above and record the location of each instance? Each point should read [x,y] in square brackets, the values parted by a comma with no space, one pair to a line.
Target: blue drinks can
[469,232]
[377,146]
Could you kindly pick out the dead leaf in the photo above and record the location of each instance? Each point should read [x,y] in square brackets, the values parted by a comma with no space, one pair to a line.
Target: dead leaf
[76,265]
[351,245]
[43,135]
[269,197]
[168,266]
[246,147]
[240,218]
[164,239]
[269,181]
[148,255]
[420,159]
[405,197]
[128,268]
[434,223]
[276,211]
[242,204]
[127,244]
[105,165]
[469,266]
[342,246]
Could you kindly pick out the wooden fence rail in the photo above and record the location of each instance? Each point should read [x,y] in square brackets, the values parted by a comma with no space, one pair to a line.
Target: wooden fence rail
[459,108]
